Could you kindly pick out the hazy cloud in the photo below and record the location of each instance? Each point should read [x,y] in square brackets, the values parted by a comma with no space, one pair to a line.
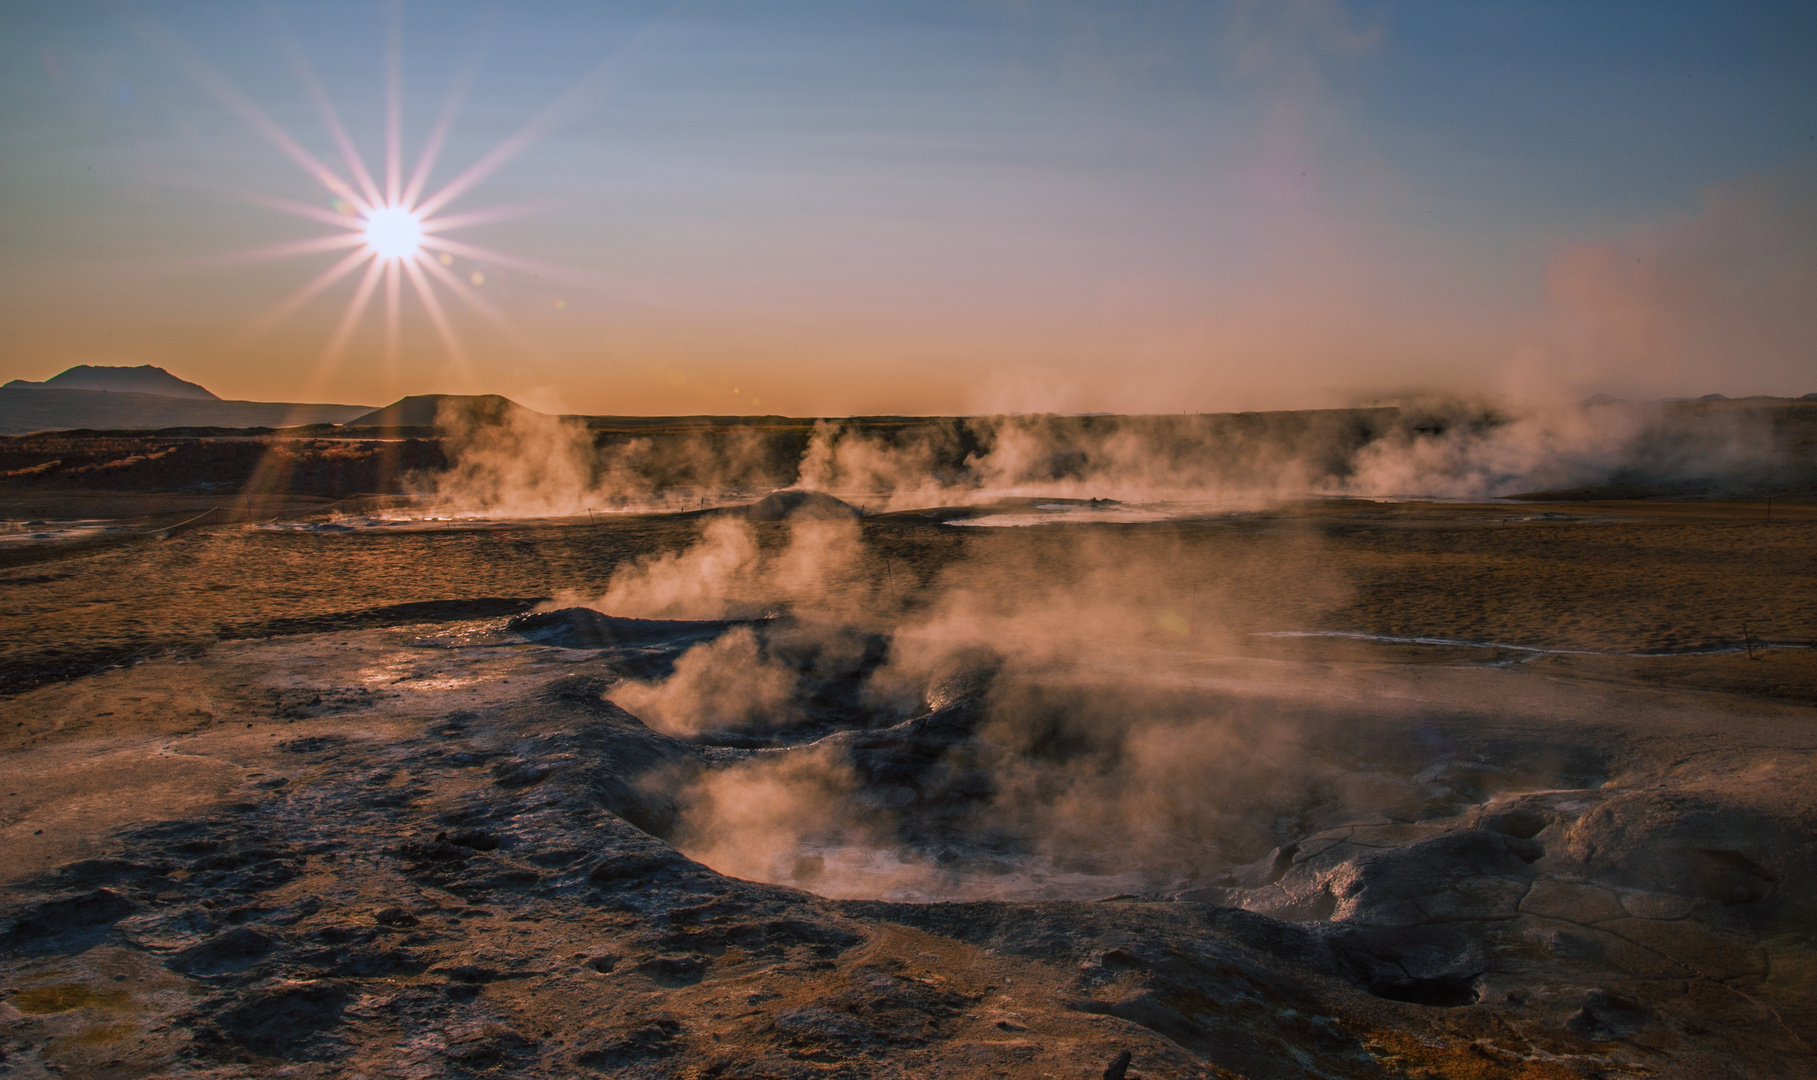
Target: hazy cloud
[1727,295]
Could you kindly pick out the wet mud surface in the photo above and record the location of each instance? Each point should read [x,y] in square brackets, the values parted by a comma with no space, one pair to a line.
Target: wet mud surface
[1610,578]
[447,841]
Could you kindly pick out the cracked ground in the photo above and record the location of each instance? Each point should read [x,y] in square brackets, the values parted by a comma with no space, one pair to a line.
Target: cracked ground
[439,848]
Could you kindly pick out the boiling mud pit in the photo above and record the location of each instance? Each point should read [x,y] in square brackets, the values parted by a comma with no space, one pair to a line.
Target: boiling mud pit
[751,812]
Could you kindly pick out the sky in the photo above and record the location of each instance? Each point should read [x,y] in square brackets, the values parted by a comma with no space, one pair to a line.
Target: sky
[834,207]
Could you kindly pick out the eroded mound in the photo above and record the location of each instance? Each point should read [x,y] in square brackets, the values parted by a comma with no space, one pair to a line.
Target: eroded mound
[584,628]
[792,503]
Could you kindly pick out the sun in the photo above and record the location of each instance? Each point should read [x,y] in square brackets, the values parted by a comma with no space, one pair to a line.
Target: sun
[393,232]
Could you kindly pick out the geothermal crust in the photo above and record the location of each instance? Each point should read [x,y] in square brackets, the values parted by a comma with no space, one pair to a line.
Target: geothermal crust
[441,850]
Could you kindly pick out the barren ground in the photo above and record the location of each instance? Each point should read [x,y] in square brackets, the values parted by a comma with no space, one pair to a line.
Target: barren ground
[316,804]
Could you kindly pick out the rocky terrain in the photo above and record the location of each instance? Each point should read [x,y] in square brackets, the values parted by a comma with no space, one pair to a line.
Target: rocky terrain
[462,448]
[440,850]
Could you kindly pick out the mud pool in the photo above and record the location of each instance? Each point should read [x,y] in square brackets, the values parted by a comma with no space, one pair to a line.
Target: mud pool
[896,823]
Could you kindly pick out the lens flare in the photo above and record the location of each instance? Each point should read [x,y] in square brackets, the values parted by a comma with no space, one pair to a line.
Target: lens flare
[393,232]
[398,232]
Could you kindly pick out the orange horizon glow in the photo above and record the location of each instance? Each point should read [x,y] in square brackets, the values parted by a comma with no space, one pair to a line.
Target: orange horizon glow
[1242,207]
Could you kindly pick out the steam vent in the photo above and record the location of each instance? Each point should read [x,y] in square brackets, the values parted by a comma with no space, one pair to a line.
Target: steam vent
[748,778]
[938,541]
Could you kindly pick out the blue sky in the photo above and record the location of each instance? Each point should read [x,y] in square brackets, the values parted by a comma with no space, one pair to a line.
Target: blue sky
[848,207]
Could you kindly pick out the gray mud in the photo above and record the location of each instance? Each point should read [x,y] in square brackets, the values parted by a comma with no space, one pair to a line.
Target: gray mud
[440,850]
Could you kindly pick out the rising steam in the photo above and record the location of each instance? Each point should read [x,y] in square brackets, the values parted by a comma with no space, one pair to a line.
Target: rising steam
[1071,714]
[1093,745]
[526,464]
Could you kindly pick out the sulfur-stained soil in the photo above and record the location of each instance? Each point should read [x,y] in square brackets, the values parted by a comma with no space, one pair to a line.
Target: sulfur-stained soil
[315,803]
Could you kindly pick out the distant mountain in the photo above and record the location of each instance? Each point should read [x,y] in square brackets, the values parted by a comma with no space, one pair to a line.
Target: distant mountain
[27,409]
[144,379]
[441,410]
